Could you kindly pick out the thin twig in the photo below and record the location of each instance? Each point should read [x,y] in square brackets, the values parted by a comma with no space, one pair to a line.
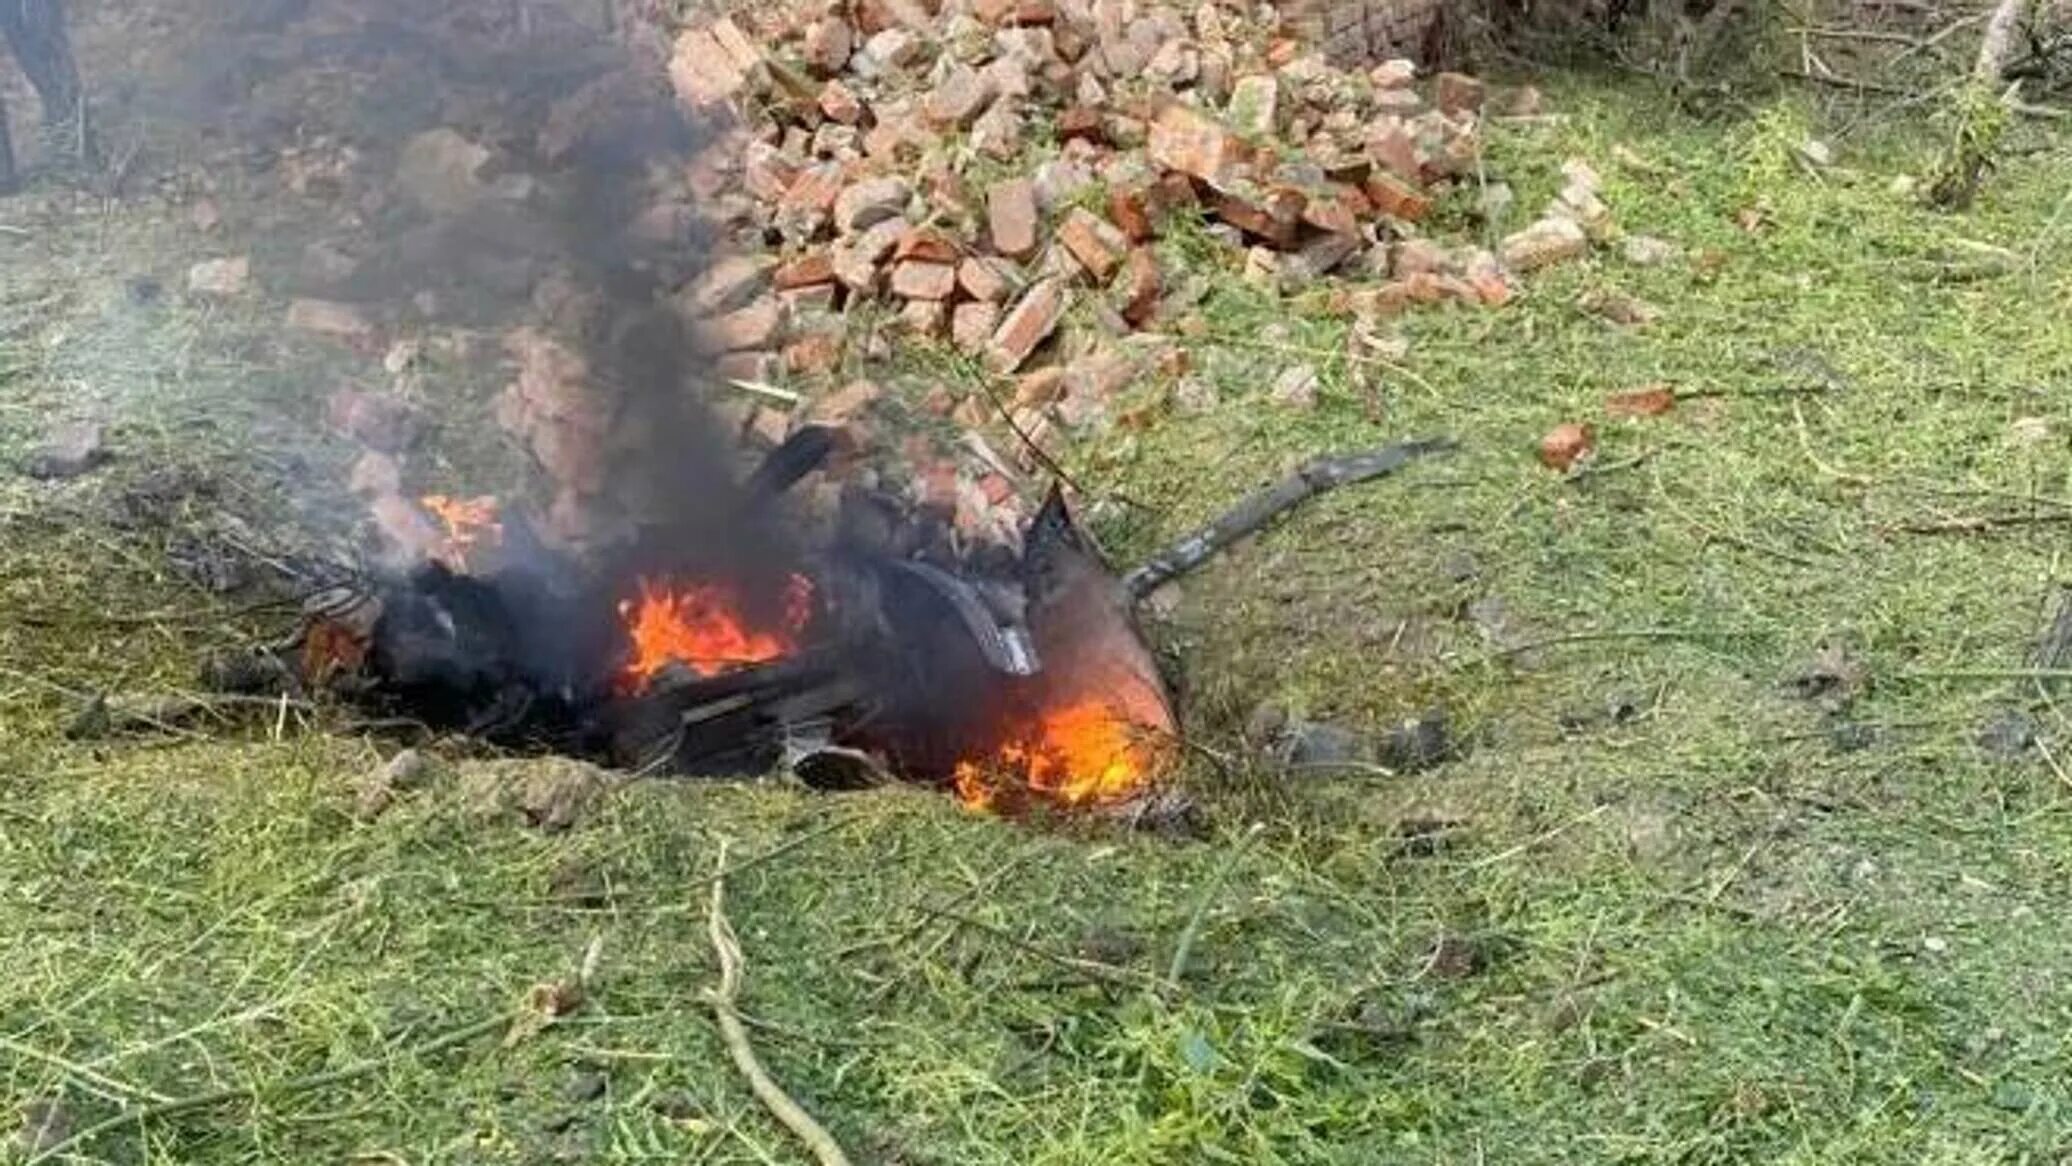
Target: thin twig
[1192,931]
[758,388]
[1987,674]
[1692,634]
[1538,840]
[780,1104]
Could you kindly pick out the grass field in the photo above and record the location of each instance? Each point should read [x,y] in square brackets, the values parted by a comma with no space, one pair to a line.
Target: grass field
[1725,873]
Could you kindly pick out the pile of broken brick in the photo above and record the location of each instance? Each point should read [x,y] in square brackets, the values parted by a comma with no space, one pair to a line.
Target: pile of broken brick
[980,173]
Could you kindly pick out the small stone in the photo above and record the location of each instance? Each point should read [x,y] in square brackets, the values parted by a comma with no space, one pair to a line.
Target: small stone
[1031,322]
[1059,181]
[1394,73]
[814,354]
[1040,388]
[1416,257]
[1418,745]
[972,324]
[1549,241]
[1402,102]
[588,1085]
[1296,388]
[730,283]
[984,278]
[857,261]
[2008,735]
[847,403]
[870,202]
[839,103]
[1567,444]
[702,70]
[1094,242]
[1627,311]
[755,326]
[1145,285]
[220,278]
[330,319]
[1458,93]
[69,451]
[1195,396]
[827,45]
[917,279]
[1647,250]
[1314,745]
[893,48]
[998,133]
[1011,217]
[928,319]
[958,99]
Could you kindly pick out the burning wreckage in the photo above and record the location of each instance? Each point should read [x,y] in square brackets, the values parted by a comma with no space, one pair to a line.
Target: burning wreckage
[1016,679]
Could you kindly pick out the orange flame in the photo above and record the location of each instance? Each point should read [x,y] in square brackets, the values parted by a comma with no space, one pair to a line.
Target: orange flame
[470,523]
[1084,753]
[699,625]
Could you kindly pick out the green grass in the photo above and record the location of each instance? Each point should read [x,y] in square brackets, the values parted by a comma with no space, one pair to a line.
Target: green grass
[1701,933]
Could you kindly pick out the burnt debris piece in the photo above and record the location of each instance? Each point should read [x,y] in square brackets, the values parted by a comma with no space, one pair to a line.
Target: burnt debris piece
[884,648]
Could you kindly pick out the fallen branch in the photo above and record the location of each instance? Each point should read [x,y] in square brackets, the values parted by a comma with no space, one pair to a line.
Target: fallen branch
[1314,478]
[780,1104]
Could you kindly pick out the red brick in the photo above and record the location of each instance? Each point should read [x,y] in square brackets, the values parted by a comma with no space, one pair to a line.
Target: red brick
[984,279]
[1194,143]
[959,98]
[1397,199]
[1080,121]
[928,244]
[755,326]
[1011,217]
[1393,144]
[814,192]
[807,270]
[1274,218]
[1031,322]
[840,103]
[1128,210]
[827,45]
[1332,210]
[918,279]
[995,488]
[1094,242]
[1146,285]
[972,324]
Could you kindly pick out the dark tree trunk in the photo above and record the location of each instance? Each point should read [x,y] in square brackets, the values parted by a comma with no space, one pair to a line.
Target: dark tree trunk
[35,30]
[7,176]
